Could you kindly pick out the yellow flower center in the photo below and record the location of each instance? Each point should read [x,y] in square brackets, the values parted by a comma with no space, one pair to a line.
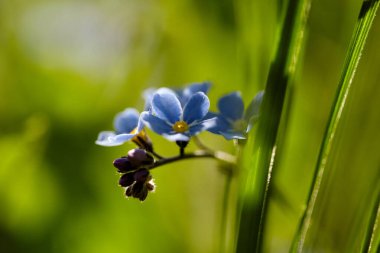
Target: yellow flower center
[180,127]
[240,125]
[133,131]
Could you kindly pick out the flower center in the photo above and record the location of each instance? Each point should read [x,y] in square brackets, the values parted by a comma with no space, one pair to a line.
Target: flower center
[133,131]
[240,125]
[180,127]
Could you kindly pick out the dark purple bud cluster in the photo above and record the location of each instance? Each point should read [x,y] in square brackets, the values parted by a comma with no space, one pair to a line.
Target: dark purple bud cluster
[135,175]
[135,159]
[137,184]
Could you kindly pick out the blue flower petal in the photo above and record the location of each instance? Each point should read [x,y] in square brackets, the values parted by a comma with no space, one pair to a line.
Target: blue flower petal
[197,108]
[156,124]
[231,106]
[140,125]
[233,135]
[103,137]
[185,94]
[109,139]
[197,87]
[148,96]
[166,106]
[253,108]
[123,137]
[210,115]
[221,125]
[126,121]
[176,137]
[202,126]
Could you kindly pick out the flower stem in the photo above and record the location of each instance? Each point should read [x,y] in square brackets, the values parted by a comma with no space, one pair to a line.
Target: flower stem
[181,151]
[200,144]
[218,155]
[156,155]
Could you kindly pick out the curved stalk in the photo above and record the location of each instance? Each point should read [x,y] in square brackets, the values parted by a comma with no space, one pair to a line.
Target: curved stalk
[218,155]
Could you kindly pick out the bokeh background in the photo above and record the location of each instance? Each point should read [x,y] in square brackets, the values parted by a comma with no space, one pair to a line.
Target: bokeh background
[67,67]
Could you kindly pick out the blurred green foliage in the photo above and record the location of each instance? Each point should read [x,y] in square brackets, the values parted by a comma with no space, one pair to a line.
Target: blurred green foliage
[67,67]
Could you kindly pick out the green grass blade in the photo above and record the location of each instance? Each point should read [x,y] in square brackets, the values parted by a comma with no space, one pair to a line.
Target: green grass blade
[259,156]
[372,241]
[365,20]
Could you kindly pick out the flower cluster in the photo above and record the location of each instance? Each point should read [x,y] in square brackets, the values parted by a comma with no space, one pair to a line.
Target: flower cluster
[135,176]
[177,115]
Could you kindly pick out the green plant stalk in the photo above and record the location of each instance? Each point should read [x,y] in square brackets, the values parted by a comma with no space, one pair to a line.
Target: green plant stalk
[371,243]
[365,20]
[260,155]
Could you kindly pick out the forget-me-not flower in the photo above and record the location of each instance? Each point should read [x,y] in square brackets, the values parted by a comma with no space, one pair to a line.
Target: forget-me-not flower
[177,122]
[127,125]
[233,122]
[183,95]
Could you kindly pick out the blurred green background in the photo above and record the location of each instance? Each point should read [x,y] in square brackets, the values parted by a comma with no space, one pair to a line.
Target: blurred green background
[67,67]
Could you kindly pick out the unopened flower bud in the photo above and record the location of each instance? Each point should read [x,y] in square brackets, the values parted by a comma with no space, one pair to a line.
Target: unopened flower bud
[139,157]
[128,191]
[142,194]
[138,184]
[126,180]
[137,188]
[142,175]
[123,164]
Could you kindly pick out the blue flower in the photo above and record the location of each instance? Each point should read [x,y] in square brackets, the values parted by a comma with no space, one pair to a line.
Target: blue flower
[183,95]
[233,122]
[174,121]
[127,125]
[148,96]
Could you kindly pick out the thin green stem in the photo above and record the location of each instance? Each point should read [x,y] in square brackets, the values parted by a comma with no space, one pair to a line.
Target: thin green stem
[200,144]
[156,155]
[218,155]
[370,240]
